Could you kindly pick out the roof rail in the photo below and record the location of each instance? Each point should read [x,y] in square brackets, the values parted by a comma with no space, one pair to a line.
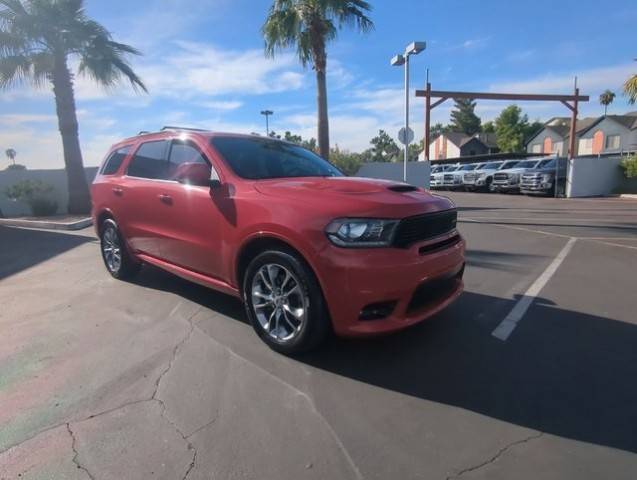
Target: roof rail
[143,132]
[170,127]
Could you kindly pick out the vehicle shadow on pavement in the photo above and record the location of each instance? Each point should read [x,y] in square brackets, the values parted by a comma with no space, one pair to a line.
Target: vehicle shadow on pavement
[23,248]
[562,372]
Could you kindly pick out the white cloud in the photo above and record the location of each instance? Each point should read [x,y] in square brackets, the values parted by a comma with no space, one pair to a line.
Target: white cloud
[198,69]
[469,45]
[590,81]
[221,104]
[17,119]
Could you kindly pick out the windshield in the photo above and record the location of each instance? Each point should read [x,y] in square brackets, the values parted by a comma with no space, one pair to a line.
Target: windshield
[509,164]
[451,169]
[468,167]
[490,166]
[262,158]
[547,163]
[527,164]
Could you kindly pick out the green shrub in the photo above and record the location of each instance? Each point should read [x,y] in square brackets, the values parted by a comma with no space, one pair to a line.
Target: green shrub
[16,166]
[629,164]
[38,195]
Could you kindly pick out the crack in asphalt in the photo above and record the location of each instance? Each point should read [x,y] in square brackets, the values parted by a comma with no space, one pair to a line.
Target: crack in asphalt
[495,457]
[152,398]
[76,453]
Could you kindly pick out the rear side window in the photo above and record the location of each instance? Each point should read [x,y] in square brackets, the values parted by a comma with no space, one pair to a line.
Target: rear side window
[114,161]
[149,161]
[181,153]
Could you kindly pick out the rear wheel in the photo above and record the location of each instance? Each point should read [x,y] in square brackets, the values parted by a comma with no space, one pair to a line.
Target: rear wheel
[118,261]
[284,302]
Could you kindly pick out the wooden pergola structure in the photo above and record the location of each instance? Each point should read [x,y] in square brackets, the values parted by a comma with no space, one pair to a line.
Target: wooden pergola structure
[570,101]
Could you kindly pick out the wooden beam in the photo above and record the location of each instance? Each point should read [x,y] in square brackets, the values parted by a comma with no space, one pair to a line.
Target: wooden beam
[569,106]
[503,96]
[438,102]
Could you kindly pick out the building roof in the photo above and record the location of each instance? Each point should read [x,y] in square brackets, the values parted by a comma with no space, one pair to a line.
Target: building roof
[562,126]
[460,139]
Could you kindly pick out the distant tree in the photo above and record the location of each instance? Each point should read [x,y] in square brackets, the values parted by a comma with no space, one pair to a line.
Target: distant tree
[605,99]
[309,25]
[488,127]
[384,148]
[346,161]
[510,129]
[532,128]
[273,134]
[463,117]
[437,130]
[38,38]
[415,149]
[630,89]
[309,144]
[11,154]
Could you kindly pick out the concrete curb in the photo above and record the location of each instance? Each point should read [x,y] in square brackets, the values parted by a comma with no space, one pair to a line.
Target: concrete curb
[629,196]
[50,225]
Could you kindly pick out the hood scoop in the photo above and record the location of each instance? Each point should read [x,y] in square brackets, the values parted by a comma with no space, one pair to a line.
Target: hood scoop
[403,188]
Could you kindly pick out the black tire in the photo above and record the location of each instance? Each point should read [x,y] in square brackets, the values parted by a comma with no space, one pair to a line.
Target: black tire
[316,324]
[127,266]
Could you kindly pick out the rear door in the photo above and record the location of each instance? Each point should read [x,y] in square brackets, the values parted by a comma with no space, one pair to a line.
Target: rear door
[191,222]
[139,215]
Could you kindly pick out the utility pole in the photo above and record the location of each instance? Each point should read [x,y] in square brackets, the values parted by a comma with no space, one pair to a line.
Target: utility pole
[267,114]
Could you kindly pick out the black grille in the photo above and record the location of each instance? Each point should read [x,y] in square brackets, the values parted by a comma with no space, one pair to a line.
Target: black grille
[423,227]
[500,176]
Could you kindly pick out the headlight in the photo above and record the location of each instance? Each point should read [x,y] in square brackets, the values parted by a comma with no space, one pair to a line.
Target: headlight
[547,177]
[482,174]
[361,232]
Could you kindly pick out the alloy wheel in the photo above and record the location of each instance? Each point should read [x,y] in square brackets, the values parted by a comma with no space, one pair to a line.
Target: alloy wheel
[111,249]
[278,302]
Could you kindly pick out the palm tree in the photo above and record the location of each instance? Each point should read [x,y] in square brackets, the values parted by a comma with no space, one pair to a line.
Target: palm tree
[309,25]
[630,89]
[11,153]
[605,99]
[37,38]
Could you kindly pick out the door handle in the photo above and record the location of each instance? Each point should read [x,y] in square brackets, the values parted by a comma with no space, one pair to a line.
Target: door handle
[118,191]
[167,199]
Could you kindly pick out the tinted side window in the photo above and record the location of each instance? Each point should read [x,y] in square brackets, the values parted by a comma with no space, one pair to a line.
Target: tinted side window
[186,163]
[149,161]
[115,160]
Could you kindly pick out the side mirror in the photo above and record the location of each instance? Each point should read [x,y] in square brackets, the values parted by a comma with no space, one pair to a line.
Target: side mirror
[214,181]
[193,174]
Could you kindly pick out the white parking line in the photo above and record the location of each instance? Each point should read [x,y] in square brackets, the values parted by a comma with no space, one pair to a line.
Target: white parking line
[511,321]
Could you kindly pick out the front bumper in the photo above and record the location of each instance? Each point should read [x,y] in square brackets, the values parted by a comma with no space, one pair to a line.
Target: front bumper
[505,186]
[419,281]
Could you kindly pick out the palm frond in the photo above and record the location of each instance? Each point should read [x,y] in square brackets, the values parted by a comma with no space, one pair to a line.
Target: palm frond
[630,89]
[14,70]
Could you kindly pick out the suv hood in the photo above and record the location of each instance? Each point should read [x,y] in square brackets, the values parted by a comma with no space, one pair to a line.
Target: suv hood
[355,195]
[514,170]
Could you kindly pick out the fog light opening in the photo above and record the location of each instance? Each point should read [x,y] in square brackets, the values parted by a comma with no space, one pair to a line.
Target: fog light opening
[377,311]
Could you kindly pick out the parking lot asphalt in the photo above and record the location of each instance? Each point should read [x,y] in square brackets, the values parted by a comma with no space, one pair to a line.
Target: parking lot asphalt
[160,378]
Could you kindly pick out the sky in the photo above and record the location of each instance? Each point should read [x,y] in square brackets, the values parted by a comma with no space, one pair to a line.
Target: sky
[204,66]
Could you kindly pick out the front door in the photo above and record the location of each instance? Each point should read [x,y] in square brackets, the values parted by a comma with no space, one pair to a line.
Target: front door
[191,232]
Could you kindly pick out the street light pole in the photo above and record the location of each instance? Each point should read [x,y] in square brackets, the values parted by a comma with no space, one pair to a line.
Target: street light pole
[406,156]
[414,48]
[267,114]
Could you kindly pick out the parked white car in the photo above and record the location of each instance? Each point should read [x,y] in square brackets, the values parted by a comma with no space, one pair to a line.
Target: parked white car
[453,180]
[508,179]
[482,177]
[437,172]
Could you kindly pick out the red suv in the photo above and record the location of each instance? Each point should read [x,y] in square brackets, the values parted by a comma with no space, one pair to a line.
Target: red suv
[307,249]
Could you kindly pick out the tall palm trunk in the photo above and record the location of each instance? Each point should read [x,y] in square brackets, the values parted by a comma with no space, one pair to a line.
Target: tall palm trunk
[79,196]
[320,65]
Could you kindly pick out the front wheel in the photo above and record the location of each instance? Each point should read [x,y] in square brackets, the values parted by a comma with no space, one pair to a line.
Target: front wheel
[284,302]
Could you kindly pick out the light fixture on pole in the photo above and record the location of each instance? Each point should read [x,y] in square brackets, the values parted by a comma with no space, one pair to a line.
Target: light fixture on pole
[414,48]
[267,114]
